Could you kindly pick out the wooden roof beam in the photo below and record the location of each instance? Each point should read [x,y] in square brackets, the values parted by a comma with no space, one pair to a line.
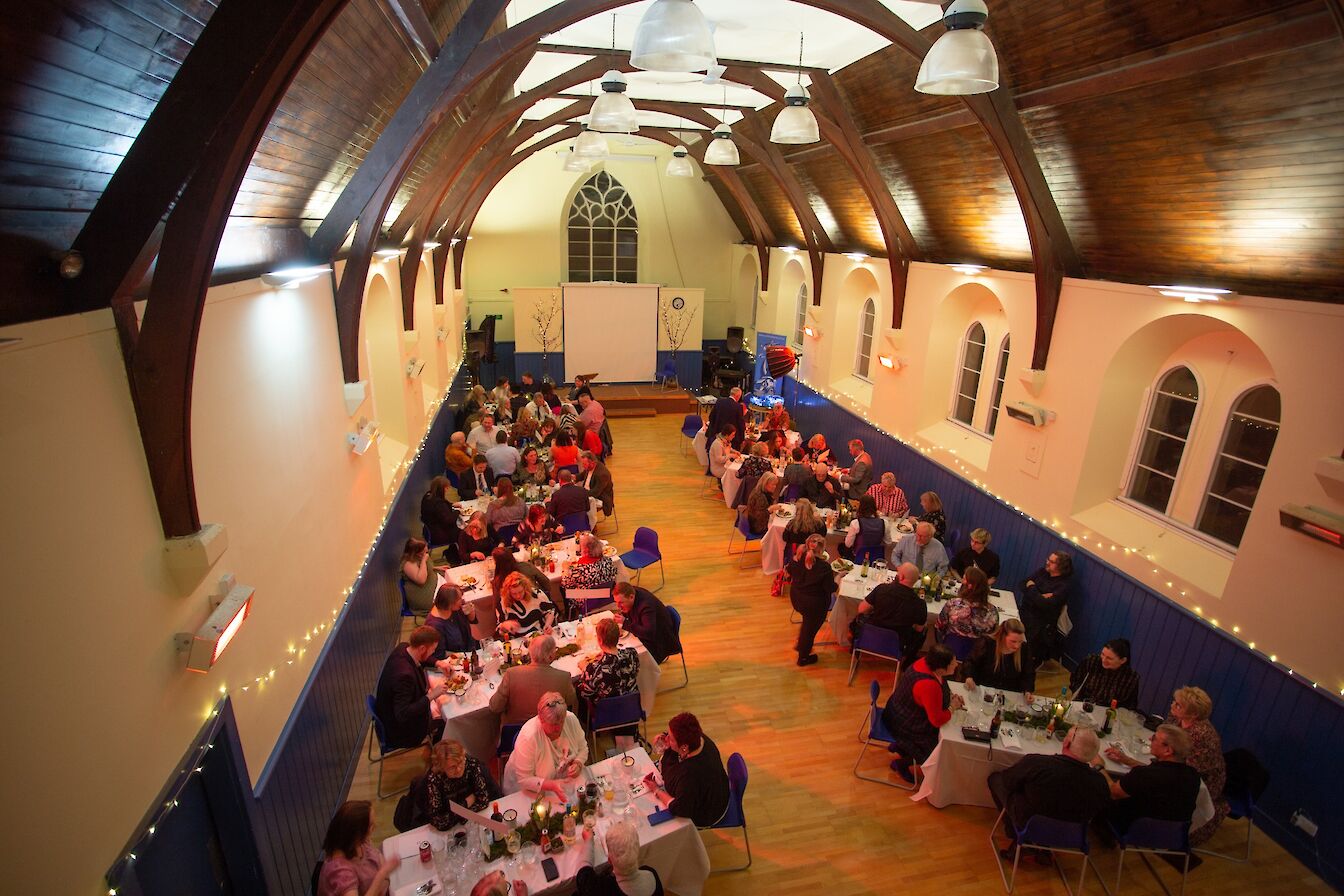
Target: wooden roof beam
[624,56]
[413,22]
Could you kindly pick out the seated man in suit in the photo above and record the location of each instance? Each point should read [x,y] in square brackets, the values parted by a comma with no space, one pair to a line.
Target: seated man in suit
[921,549]
[895,606]
[1065,787]
[479,483]
[596,479]
[568,498]
[402,700]
[515,700]
[820,488]
[647,618]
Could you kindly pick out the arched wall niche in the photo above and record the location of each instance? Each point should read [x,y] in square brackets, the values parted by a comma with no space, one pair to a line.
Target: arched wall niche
[381,328]
[792,276]
[859,286]
[746,293]
[428,348]
[953,316]
[1225,362]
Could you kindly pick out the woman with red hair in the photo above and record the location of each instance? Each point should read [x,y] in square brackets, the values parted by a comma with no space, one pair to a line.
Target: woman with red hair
[695,784]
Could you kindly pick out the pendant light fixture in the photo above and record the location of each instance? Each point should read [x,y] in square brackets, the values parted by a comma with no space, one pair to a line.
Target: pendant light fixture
[673,36]
[574,163]
[679,165]
[591,145]
[722,151]
[796,123]
[613,112]
[962,61]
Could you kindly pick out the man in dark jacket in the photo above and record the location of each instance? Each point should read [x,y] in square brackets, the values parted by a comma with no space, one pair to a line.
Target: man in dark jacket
[728,411]
[479,483]
[896,607]
[1064,787]
[647,618]
[596,478]
[402,700]
[568,498]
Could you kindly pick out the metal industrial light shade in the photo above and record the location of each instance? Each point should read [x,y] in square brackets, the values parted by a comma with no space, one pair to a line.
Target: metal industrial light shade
[613,113]
[679,165]
[963,60]
[722,151]
[795,123]
[591,145]
[673,36]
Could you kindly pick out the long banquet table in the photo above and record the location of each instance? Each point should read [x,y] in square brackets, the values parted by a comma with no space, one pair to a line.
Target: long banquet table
[854,588]
[957,772]
[673,849]
[468,719]
[772,545]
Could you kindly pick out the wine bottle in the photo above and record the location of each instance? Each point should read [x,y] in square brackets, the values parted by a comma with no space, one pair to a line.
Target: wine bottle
[1111,713]
[496,815]
[995,722]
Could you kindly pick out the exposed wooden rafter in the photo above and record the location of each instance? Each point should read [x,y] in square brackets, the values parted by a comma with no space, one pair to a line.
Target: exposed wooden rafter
[413,22]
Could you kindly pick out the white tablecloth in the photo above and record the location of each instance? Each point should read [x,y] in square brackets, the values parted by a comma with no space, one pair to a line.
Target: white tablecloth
[854,588]
[772,546]
[475,581]
[466,509]
[957,772]
[468,718]
[674,848]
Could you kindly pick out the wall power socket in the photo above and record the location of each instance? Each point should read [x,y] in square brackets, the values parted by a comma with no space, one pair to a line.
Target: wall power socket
[1301,821]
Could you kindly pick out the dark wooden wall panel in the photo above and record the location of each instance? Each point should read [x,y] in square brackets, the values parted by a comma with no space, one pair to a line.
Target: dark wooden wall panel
[881,88]
[774,205]
[1297,731]
[857,227]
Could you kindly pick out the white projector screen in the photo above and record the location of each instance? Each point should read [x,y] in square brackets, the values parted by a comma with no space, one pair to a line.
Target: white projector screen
[611,330]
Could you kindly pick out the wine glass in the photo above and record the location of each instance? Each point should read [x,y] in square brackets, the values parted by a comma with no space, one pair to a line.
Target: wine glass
[513,842]
[590,822]
[531,854]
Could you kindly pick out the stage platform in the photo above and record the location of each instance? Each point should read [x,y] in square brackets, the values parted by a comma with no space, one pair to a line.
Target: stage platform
[635,400]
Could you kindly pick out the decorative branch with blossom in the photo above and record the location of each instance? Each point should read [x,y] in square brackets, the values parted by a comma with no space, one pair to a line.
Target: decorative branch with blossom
[544,315]
[676,323]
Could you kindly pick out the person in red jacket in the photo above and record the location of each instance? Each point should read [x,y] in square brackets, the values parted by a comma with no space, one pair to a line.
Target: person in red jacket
[920,705]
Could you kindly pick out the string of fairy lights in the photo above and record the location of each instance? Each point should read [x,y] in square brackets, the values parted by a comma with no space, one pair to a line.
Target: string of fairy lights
[296,649]
[1094,544]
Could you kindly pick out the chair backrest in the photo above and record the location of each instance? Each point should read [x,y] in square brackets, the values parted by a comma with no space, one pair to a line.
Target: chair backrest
[573,468]
[506,533]
[576,522]
[792,492]
[873,691]
[508,736]
[743,523]
[676,620]
[879,641]
[953,539]
[1154,833]
[1246,779]
[690,425]
[960,645]
[405,604]
[737,789]
[647,540]
[744,489]
[588,600]
[869,553]
[377,722]
[1044,831]
[612,712]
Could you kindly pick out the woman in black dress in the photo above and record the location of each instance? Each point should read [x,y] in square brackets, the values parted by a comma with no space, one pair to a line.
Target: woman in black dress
[1002,660]
[695,783]
[813,584]
[438,514]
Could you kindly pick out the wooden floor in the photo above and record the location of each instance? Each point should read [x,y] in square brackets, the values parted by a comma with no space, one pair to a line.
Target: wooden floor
[815,828]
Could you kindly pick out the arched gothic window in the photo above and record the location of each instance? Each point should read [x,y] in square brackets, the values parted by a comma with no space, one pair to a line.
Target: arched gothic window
[999,379]
[1171,414]
[800,315]
[1252,428]
[968,384]
[603,232]
[863,355]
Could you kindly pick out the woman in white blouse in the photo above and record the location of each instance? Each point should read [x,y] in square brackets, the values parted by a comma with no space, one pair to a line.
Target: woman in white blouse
[550,752]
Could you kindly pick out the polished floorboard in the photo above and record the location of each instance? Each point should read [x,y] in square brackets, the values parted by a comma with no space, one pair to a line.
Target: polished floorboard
[815,828]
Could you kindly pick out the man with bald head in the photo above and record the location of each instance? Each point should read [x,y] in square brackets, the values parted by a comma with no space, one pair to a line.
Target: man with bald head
[896,607]
[921,549]
[1065,787]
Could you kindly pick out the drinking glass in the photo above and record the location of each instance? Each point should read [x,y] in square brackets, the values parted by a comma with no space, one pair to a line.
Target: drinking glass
[567,829]
[513,842]
[531,854]
[590,821]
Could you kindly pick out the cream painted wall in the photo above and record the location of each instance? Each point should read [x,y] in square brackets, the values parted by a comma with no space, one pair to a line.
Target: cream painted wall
[106,724]
[519,238]
[1110,343]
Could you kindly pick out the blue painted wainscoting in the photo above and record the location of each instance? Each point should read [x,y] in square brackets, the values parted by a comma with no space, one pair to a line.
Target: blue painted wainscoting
[688,367]
[531,362]
[1297,731]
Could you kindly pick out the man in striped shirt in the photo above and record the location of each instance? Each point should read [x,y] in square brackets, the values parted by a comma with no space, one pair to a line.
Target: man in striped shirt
[890,499]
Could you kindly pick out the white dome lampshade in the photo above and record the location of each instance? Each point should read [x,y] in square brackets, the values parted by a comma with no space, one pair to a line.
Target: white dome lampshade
[795,123]
[679,165]
[613,113]
[722,151]
[574,163]
[673,36]
[591,145]
[962,61]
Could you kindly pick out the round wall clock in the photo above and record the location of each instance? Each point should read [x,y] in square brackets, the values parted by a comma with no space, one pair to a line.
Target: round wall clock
[678,303]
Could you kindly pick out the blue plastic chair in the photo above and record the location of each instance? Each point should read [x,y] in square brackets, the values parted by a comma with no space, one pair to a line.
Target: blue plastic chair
[645,553]
[953,539]
[690,425]
[742,526]
[505,533]
[406,611]
[380,736]
[452,477]
[875,641]
[576,522]
[1151,835]
[734,816]
[1246,780]
[508,736]
[573,468]
[681,649]
[960,645]
[874,733]
[791,493]
[1051,835]
[869,553]
[668,372]
[612,713]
